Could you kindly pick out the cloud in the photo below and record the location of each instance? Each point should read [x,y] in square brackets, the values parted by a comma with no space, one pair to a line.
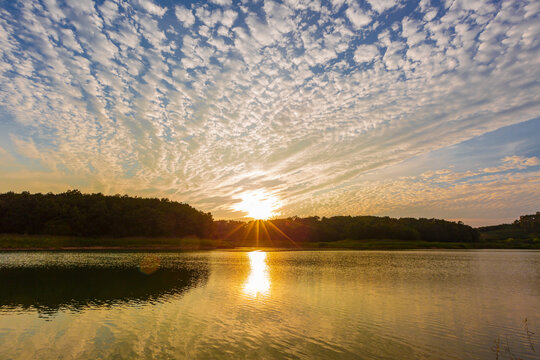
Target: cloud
[209,17]
[26,147]
[80,7]
[437,193]
[185,16]
[365,53]
[152,8]
[228,18]
[358,17]
[514,162]
[382,5]
[6,159]
[222,2]
[300,99]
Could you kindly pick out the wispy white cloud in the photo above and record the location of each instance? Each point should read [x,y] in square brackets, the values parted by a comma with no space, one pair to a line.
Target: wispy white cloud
[382,5]
[185,16]
[514,162]
[465,196]
[297,98]
[358,17]
[152,8]
[365,53]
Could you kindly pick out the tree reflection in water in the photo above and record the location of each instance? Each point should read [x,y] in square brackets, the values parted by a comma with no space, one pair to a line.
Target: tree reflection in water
[51,288]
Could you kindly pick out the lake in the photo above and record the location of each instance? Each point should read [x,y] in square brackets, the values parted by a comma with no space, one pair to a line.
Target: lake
[270,305]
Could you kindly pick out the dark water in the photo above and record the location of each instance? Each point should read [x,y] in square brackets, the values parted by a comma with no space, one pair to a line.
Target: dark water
[237,305]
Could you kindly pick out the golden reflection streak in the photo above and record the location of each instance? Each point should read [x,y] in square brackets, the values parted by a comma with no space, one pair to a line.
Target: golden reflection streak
[258,281]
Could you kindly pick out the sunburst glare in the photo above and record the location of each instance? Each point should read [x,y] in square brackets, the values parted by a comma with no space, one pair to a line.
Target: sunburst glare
[258,205]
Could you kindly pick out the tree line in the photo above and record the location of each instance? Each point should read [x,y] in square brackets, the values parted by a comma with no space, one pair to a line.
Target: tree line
[328,229]
[529,223]
[75,214]
[527,226]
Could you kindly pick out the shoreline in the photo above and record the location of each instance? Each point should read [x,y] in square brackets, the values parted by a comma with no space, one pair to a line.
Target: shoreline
[20,243]
[243,249]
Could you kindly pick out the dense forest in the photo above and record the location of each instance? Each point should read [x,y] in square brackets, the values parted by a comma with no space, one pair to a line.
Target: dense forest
[77,214]
[527,226]
[314,229]
[96,215]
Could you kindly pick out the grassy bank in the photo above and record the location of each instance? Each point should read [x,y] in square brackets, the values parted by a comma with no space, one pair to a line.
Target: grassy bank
[390,244]
[46,242]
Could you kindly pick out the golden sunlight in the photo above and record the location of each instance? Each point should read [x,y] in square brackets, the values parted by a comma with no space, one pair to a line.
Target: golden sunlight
[258,205]
[258,281]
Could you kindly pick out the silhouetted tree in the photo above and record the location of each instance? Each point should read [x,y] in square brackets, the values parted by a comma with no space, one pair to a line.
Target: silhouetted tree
[74,213]
[280,232]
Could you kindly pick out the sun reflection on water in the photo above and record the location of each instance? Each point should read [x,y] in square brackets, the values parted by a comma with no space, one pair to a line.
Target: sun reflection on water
[258,282]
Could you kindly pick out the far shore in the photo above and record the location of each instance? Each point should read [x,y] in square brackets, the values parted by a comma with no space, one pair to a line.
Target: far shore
[14,242]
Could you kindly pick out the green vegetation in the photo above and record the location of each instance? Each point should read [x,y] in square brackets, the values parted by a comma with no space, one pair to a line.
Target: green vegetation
[526,228]
[73,220]
[96,215]
[300,232]
[390,244]
[53,242]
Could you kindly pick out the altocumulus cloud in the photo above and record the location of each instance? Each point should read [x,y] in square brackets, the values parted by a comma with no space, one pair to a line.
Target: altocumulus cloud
[202,101]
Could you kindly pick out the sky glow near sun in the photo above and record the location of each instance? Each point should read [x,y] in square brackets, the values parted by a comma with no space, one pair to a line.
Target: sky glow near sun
[258,205]
[418,108]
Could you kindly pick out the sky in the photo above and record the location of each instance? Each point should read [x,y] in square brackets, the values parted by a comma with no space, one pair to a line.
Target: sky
[373,107]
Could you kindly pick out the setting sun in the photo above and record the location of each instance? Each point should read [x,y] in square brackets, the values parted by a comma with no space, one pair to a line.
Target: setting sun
[258,205]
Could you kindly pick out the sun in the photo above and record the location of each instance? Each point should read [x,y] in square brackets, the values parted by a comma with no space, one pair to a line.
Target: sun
[258,205]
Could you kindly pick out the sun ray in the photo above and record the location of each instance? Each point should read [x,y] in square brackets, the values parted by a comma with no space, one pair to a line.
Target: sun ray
[257,232]
[248,231]
[263,226]
[226,237]
[234,230]
[282,233]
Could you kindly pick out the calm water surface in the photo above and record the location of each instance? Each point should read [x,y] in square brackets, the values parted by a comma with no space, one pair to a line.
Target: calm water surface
[307,305]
